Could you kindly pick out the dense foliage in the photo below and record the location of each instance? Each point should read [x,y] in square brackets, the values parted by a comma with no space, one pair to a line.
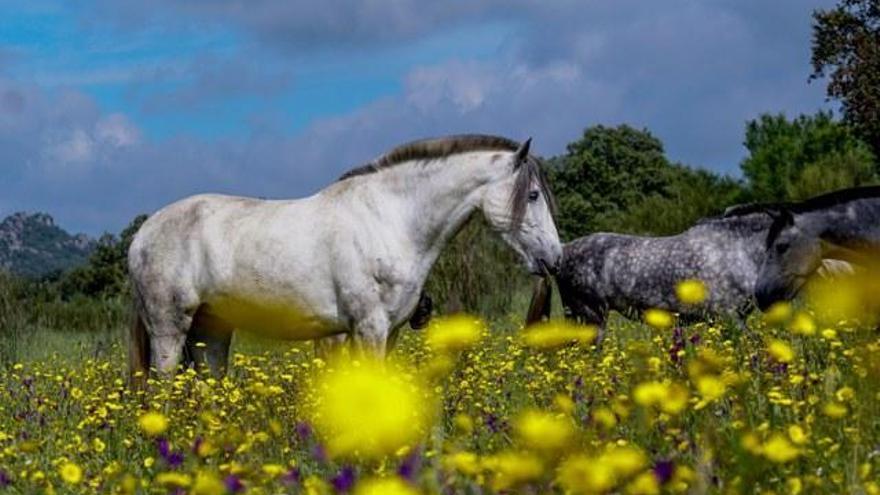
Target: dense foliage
[796,159]
[846,49]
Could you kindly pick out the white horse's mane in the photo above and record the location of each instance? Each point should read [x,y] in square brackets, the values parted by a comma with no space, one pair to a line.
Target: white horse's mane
[428,149]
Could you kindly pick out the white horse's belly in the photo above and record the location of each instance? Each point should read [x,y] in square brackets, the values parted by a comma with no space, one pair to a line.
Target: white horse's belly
[273,319]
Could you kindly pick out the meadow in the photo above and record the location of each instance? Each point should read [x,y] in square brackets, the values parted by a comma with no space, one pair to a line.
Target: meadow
[788,405]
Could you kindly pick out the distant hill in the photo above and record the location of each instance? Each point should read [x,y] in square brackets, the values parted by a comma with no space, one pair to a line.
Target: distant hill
[32,245]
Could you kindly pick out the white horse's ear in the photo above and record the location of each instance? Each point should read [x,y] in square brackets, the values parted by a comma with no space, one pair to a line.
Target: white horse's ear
[522,152]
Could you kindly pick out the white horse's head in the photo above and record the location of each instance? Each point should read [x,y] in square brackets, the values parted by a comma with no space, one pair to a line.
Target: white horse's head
[520,207]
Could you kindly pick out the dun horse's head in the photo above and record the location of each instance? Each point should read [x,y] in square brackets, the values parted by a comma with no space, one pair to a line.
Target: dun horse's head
[520,206]
[792,255]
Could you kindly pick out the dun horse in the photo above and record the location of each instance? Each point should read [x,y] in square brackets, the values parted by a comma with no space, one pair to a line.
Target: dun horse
[627,273]
[843,224]
[352,259]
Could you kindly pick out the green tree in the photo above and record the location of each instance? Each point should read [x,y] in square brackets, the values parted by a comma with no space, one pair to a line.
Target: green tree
[619,179]
[106,273]
[796,159]
[846,48]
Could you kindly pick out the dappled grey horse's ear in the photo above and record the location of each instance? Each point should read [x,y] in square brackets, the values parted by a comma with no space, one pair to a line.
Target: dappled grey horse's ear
[522,153]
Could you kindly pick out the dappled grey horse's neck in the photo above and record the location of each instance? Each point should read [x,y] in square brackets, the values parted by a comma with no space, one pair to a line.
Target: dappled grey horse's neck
[745,232]
[852,222]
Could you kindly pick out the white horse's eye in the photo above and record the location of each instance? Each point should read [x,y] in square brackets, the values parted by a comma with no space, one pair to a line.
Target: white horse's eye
[534,195]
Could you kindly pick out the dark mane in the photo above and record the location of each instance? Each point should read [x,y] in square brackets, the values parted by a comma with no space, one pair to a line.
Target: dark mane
[427,149]
[749,208]
[835,198]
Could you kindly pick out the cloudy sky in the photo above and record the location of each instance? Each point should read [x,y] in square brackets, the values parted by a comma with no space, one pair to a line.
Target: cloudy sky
[109,108]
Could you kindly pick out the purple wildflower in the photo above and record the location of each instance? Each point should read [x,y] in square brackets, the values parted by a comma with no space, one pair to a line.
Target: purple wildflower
[663,471]
[5,479]
[291,477]
[233,484]
[344,481]
[410,465]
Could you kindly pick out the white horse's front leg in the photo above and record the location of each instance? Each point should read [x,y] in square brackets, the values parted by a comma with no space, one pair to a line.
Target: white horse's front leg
[371,335]
[328,346]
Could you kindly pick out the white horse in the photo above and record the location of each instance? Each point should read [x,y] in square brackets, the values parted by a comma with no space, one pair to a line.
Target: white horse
[350,260]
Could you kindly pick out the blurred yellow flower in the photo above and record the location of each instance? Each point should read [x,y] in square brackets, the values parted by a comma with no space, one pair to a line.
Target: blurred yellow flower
[582,474]
[454,333]
[710,388]
[781,351]
[556,333]
[802,324]
[464,462]
[797,434]
[71,473]
[511,469]
[779,449]
[153,423]
[834,410]
[644,484]
[367,409]
[384,486]
[207,483]
[691,291]
[173,479]
[778,313]
[845,394]
[659,318]
[670,398]
[544,431]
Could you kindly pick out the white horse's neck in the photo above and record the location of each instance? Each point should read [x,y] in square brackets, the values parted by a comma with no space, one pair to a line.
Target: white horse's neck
[435,198]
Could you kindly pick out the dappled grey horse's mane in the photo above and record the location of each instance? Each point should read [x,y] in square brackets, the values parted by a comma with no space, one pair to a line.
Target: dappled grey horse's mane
[434,148]
[827,200]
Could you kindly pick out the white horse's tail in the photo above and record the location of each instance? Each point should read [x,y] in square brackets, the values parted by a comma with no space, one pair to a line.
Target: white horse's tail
[138,351]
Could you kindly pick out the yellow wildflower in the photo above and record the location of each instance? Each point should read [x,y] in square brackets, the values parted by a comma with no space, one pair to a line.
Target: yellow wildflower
[173,479]
[778,313]
[779,449]
[544,431]
[834,410]
[207,483]
[556,333]
[659,318]
[153,423]
[691,291]
[367,409]
[454,333]
[384,486]
[781,351]
[71,473]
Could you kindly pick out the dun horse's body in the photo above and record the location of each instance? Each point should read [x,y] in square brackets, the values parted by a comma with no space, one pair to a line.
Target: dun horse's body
[843,224]
[351,259]
[604,272]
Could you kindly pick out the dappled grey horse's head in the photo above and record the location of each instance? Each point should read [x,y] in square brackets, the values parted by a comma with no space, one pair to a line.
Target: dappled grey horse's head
[521,207]
[793,254]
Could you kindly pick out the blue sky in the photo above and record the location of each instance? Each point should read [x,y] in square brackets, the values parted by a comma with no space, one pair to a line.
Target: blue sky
[111,108]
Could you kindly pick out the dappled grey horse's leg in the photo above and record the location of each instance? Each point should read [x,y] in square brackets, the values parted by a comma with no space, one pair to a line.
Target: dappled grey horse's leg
[207,343]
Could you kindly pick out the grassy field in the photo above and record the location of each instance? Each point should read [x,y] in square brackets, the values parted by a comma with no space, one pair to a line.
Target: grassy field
[789,407]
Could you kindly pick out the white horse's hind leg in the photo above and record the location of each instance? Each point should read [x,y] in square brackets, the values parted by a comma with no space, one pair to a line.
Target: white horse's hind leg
[208,341]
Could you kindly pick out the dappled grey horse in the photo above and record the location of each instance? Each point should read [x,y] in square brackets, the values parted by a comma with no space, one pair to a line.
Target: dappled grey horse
[351,259]
[844,225]
[627,273]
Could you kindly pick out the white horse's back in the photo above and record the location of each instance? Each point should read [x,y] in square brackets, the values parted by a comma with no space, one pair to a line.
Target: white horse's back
[242,259]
